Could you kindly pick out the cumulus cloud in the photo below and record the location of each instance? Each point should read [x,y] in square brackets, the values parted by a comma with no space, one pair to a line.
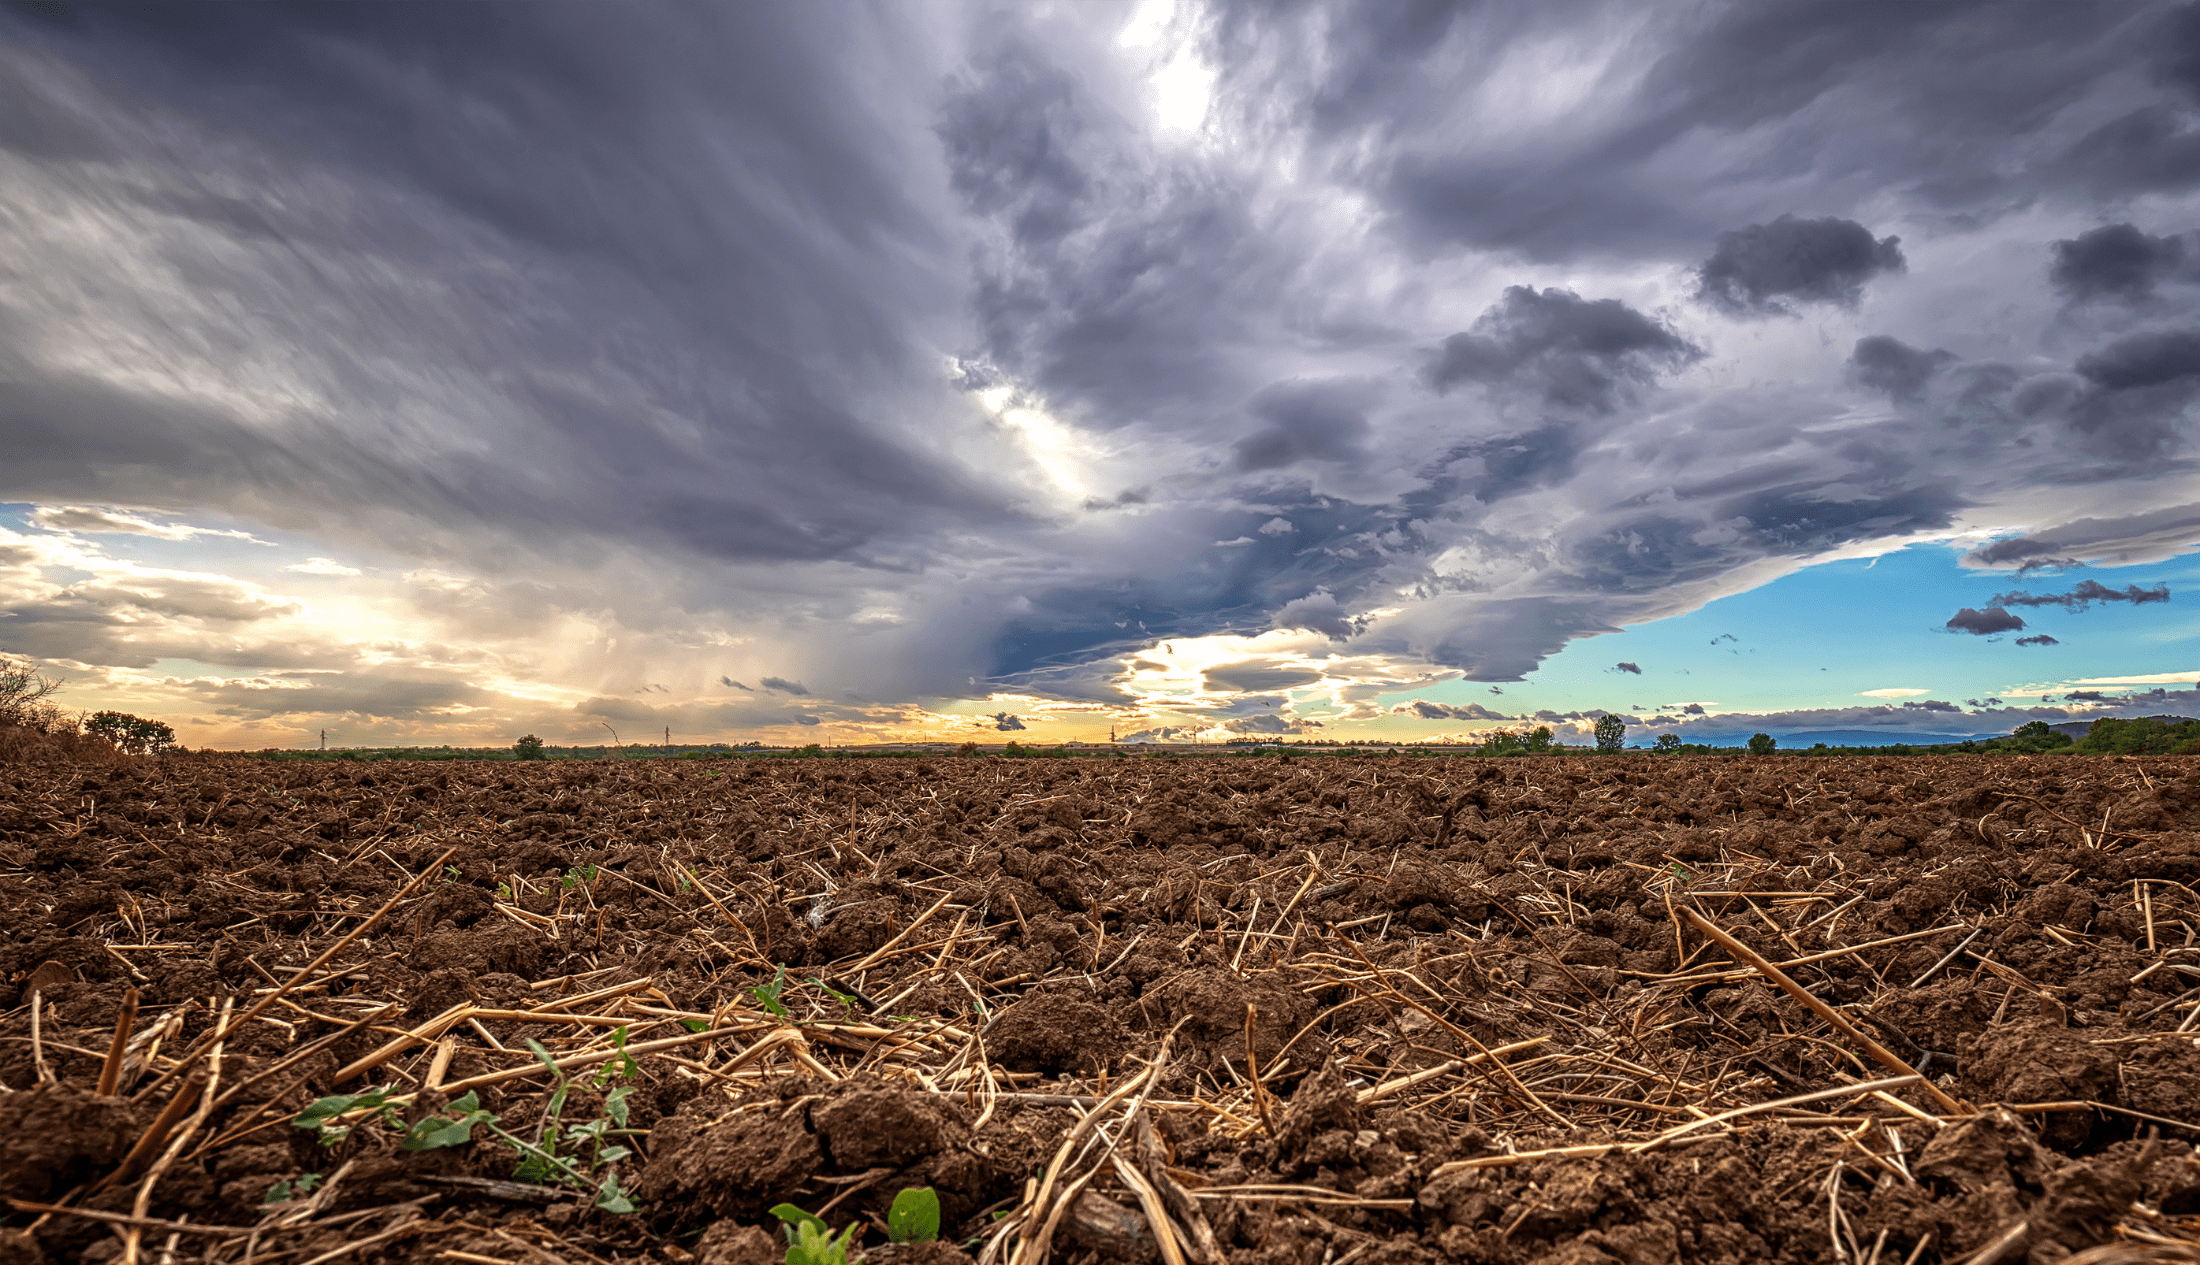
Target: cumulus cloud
[1005,722]
[2114,262]
[1628,667]
[783,686]
[2038,639]
[1764,269]
[1984,623]
[1319,611]
[730,683]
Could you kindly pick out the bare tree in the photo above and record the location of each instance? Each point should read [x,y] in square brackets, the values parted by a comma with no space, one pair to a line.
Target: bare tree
[23,693]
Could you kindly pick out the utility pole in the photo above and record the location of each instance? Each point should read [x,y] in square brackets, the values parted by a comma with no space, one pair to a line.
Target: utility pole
[324,740]
[668,737]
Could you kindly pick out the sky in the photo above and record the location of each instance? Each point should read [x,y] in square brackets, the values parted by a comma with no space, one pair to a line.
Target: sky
[1357,370]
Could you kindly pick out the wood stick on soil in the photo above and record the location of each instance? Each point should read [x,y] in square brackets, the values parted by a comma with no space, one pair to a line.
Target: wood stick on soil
[38,1044]
[303,976]
[429,1031]
[1033,1248]
[157,1132]
[110,1072]
[1252,1073]
[1375,1092]
[1885,1057]
[1157,1217]
[1845,1091]
[133,1238]
[584,1060]
[878,955]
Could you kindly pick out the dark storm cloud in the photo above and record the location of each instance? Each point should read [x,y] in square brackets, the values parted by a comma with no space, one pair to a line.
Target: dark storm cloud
[1984,623]
[1271,725]
[661,288]
[783,686]
[772,244]
[2143,360]
[2083,596]
[1957,103]
[2115,261]
[1765,269]
[2021,549]
[1307,421]
[1574,353]
[2041,639]
[1891,366]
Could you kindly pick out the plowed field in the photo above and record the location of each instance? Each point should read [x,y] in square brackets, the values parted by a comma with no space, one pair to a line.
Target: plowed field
[1575,1009]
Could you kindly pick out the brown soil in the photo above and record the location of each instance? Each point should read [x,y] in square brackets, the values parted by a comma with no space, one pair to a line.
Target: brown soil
[976,952]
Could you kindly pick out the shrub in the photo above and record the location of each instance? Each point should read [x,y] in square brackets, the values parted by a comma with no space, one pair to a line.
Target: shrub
[529,747]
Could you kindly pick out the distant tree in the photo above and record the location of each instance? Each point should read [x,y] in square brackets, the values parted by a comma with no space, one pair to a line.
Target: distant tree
[2035,736]
[1761,744]
[133,734]
[529,747]
[2144,736]
[1611,732]
[1667,743]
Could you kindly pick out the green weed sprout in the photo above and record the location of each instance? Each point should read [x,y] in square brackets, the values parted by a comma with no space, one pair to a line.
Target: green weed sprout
[847,1003]
[915,1216]
[539,1157]
[323,1115]
[283,1192]
[810,1241]
[767,995]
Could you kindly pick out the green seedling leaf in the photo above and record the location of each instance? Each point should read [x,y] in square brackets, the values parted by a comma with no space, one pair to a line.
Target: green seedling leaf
[321,1114]
[610,1198]
[693,1025]
[915,1216]
[285,1191]
[810,1244]
[795,1218]
[614,1104]
[441,1131]
[542,1055]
